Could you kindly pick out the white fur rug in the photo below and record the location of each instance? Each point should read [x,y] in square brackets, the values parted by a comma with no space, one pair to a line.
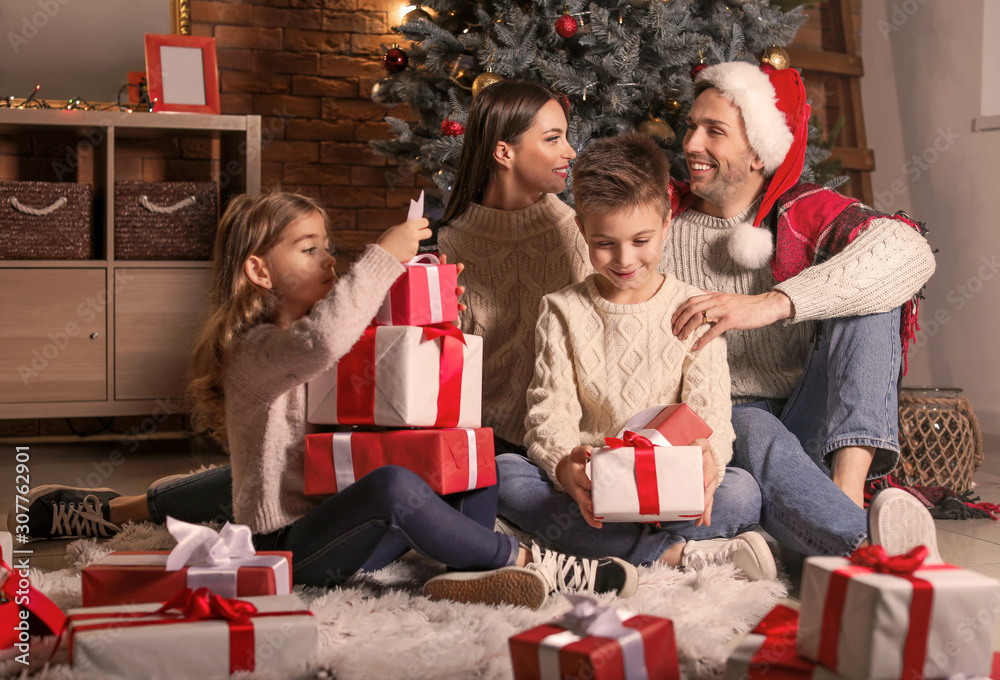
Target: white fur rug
[379,626]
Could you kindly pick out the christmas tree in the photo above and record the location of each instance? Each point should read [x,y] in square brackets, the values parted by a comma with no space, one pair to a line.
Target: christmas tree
[623,64]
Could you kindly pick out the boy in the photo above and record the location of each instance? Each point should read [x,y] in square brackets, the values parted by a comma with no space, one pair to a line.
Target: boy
[604,351]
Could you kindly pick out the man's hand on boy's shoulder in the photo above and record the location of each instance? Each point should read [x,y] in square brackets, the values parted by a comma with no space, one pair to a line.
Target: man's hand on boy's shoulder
[572,475]
[729,311]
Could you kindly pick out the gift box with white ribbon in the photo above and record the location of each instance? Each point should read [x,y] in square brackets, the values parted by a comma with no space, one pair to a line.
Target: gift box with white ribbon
[874,617]
[449,460]
[196,634]
[403,376]
[594,642]
[423,295]
[224,562]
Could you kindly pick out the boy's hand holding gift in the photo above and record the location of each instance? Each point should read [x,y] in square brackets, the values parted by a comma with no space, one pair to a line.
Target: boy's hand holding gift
[710,471]
[572,475]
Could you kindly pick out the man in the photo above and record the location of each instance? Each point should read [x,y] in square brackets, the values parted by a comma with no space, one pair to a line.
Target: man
[812,290]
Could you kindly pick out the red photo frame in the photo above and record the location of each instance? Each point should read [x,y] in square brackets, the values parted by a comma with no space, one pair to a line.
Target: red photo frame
[183,73]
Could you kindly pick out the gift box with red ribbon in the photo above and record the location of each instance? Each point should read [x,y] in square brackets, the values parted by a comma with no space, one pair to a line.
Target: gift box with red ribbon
[874,617]
[421,296]
[768,652]
[449,460]
[25,612]
[634,480]
[224,562]
[597,643]
[403,376]
[196,634]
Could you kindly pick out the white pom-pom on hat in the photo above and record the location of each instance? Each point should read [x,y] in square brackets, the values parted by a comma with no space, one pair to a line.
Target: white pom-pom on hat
[750,246]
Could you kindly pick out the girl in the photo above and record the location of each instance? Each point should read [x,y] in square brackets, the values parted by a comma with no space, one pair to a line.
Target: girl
[278,317]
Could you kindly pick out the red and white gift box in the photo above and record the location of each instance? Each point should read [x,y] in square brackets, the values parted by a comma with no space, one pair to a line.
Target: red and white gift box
[449,460]
[224,562]
[872,617]
[642,477]
[597,643]
[403,376]
[423,295]
[768,652]
[195,635]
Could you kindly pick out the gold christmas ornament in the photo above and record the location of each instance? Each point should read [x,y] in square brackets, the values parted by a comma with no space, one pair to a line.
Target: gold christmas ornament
[484,80]
[658,129]
[416,13]
[776,57]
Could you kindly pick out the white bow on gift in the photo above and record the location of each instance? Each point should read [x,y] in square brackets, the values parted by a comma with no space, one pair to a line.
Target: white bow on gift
[587,617]
[213,558]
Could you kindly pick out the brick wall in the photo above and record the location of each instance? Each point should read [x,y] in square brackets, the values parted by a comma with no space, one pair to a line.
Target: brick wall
[307,67]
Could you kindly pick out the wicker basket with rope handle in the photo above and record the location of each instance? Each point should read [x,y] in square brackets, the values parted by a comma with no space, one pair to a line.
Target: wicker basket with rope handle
[939,438]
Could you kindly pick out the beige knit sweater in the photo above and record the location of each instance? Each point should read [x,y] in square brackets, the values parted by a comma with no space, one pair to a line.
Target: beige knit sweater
[265,391]
[512,258]
[599,363]
[879,270]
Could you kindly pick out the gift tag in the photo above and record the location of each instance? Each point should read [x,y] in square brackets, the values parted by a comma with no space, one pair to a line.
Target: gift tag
[416,208]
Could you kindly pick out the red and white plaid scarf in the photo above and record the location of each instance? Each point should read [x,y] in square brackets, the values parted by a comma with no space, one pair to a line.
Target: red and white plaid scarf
[815,223]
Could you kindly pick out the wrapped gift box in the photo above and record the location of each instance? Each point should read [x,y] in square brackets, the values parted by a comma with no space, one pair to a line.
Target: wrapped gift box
[423,295]
[403,376]
[138,641]
[876,618]
[449,460]
[604,645]
[768,652]
[24,611]
[670,425]
[646,484]
[126,577]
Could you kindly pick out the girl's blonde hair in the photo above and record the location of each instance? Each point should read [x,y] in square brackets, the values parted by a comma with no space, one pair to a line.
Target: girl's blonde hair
[502,112]
[251,225]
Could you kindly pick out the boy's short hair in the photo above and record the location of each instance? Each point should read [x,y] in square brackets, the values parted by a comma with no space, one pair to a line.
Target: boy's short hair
[624,172]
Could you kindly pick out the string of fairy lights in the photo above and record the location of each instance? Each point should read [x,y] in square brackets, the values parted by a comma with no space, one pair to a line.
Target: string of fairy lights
[33,101]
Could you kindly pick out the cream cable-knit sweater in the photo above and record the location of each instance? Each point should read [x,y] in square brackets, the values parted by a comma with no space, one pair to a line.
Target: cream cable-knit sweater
[600,363]
[265,391]
[879,270]
[512,258]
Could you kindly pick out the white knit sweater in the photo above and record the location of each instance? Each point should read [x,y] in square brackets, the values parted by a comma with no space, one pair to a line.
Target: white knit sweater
[512,258]
[599,363]
[879,270]
[265,391]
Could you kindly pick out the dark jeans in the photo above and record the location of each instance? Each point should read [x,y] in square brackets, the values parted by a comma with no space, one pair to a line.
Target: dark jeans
[366,526]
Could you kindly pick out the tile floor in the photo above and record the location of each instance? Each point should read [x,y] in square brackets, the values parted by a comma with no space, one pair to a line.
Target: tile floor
[970,543]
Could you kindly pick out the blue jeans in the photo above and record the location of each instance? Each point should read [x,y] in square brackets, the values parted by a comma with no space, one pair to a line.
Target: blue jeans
[529,500]
[365,527]
[847,396]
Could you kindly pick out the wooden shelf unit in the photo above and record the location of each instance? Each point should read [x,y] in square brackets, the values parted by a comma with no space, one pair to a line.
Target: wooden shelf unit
[110,337]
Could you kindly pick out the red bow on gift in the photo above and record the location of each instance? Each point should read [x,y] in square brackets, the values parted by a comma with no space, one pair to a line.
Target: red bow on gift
[875,557]
[196,605]
[645,469]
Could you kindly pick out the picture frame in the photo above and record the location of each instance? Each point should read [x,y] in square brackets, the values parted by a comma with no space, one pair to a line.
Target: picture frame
[182,73]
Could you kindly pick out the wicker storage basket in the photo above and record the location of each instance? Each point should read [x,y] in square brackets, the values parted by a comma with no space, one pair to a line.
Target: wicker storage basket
[165,220]
[46,221]
[939,438]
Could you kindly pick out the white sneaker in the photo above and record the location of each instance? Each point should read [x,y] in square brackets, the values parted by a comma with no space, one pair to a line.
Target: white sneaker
[749,552]
[571,574]
[899,522]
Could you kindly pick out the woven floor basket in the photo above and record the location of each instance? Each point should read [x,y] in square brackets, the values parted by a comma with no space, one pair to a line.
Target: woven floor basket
[165,220]
[46,221]
[939,438]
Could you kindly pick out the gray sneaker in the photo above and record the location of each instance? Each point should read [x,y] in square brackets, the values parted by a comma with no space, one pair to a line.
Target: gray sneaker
[899,522]
[58,511]
[572,574]
[748,551]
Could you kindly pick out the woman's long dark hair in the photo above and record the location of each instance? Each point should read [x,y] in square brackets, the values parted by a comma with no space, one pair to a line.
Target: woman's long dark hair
[502,112]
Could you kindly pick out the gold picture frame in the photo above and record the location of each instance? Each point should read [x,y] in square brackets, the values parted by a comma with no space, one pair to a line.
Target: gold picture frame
[180,17]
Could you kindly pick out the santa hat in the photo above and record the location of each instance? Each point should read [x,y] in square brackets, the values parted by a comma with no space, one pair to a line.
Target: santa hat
[776,116]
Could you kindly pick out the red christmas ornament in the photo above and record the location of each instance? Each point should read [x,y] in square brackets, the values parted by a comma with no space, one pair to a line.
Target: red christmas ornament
[566,26]
[451,128]
[395,60]
[696,70]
